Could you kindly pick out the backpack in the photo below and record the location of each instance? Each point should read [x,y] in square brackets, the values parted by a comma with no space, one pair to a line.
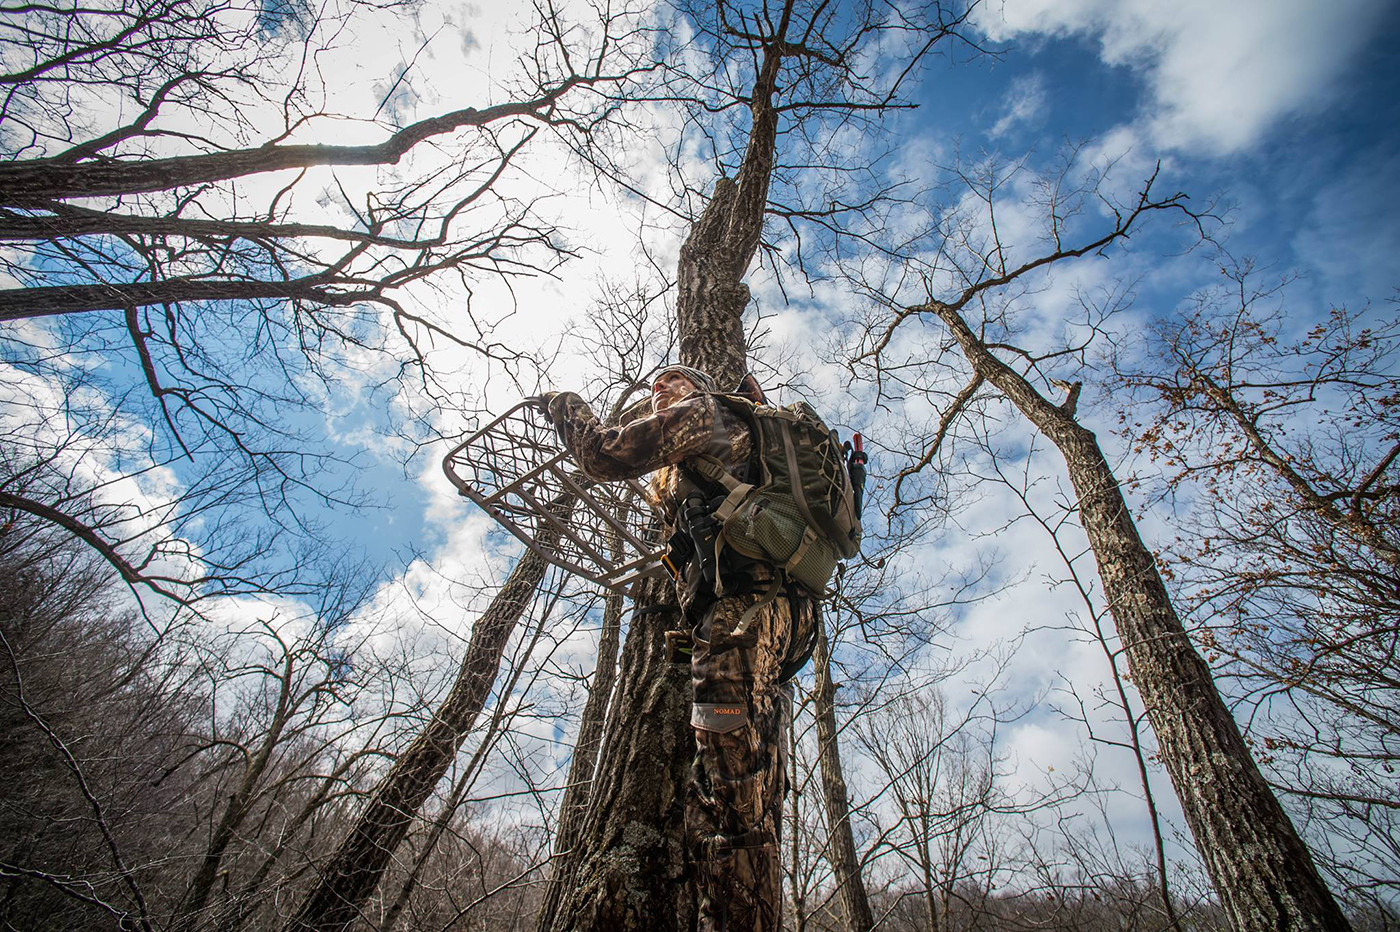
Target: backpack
[799,512]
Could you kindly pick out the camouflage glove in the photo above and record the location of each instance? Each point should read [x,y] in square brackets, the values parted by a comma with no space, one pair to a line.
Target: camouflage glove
[544,404]
[556,406]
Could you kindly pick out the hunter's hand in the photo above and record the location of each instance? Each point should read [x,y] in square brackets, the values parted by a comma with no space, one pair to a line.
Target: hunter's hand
[541,402]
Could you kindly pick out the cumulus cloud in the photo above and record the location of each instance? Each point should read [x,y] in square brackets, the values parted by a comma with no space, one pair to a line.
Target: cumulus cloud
[1218,75]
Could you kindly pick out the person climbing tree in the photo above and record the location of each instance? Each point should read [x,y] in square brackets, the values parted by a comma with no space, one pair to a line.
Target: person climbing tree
[745,641]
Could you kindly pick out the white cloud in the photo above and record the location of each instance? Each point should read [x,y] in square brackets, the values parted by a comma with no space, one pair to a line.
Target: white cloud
[1219,75]
[1025,103]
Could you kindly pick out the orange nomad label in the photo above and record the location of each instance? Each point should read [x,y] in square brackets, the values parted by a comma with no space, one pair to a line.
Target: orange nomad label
[728,711]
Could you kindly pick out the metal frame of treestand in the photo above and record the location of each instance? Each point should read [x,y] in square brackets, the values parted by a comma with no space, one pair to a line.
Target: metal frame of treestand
[514,468]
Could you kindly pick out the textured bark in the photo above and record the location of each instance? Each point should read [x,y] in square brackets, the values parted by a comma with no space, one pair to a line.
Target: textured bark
[841,849]
[721,246]
[25,303]
[1261,870]
[354,871]
[627,872]
[573,808]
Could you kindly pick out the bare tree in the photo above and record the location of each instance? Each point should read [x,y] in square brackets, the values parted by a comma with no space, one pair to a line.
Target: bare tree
[1263,873]
[170,201]
[1289,436]
[197,760]
[359,861]
[85,741]
[845,861]
[1058,524]
[574,805]
[798,70]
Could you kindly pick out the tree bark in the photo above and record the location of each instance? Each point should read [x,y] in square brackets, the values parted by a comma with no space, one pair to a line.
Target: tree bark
[841,846]
[627,872]
[354,871]
[38,182]
[1261,870]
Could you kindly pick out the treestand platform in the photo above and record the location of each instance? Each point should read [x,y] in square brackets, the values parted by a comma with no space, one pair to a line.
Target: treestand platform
[516,470]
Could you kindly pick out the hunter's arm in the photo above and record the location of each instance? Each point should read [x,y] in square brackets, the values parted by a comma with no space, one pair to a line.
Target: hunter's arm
[638,447]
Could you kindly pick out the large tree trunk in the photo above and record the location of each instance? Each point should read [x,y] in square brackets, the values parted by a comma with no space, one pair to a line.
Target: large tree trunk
[627,872]
[841,846]
[1263,873]
[354,871]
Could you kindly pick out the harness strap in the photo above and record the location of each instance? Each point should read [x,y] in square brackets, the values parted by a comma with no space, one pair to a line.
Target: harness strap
[710,468]
[769,595]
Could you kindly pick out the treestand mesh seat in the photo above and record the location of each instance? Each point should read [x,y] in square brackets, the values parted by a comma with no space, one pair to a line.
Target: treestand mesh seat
[515,469]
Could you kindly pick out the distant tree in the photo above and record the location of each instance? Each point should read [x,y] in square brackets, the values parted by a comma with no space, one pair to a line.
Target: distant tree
[1125,731]
[1262,871]
[353,872]
[167,778]
[841,845]
[89,724]
[1289,436]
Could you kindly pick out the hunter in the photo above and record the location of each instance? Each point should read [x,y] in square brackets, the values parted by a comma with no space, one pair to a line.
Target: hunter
[745,640]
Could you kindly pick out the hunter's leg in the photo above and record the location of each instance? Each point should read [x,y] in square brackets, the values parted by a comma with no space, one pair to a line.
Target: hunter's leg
[736,785]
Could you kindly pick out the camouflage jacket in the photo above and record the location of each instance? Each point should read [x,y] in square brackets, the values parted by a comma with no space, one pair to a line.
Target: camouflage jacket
[693,426]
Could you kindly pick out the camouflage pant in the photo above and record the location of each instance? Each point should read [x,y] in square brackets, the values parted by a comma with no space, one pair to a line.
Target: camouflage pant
[734,800]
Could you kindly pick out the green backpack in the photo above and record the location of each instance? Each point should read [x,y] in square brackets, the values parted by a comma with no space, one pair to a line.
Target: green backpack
[800,512]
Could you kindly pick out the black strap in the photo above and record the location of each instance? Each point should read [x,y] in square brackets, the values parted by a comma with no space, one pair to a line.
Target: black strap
[799,652]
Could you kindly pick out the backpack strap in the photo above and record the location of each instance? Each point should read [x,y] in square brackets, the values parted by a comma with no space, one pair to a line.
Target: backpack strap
[711,469]
[809,537]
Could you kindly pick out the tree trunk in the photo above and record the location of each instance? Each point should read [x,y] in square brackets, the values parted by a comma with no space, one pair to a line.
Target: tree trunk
[628,869]
[841,848]
[627,872]
[500,719]
[573,808]
[239,802]
[1263,873]
[354,871]
[795,834]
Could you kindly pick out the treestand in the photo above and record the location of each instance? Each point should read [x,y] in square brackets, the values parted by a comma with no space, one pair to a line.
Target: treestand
[515,469]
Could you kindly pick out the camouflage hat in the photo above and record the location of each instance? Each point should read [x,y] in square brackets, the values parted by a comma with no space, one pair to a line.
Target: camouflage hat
[697,378]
